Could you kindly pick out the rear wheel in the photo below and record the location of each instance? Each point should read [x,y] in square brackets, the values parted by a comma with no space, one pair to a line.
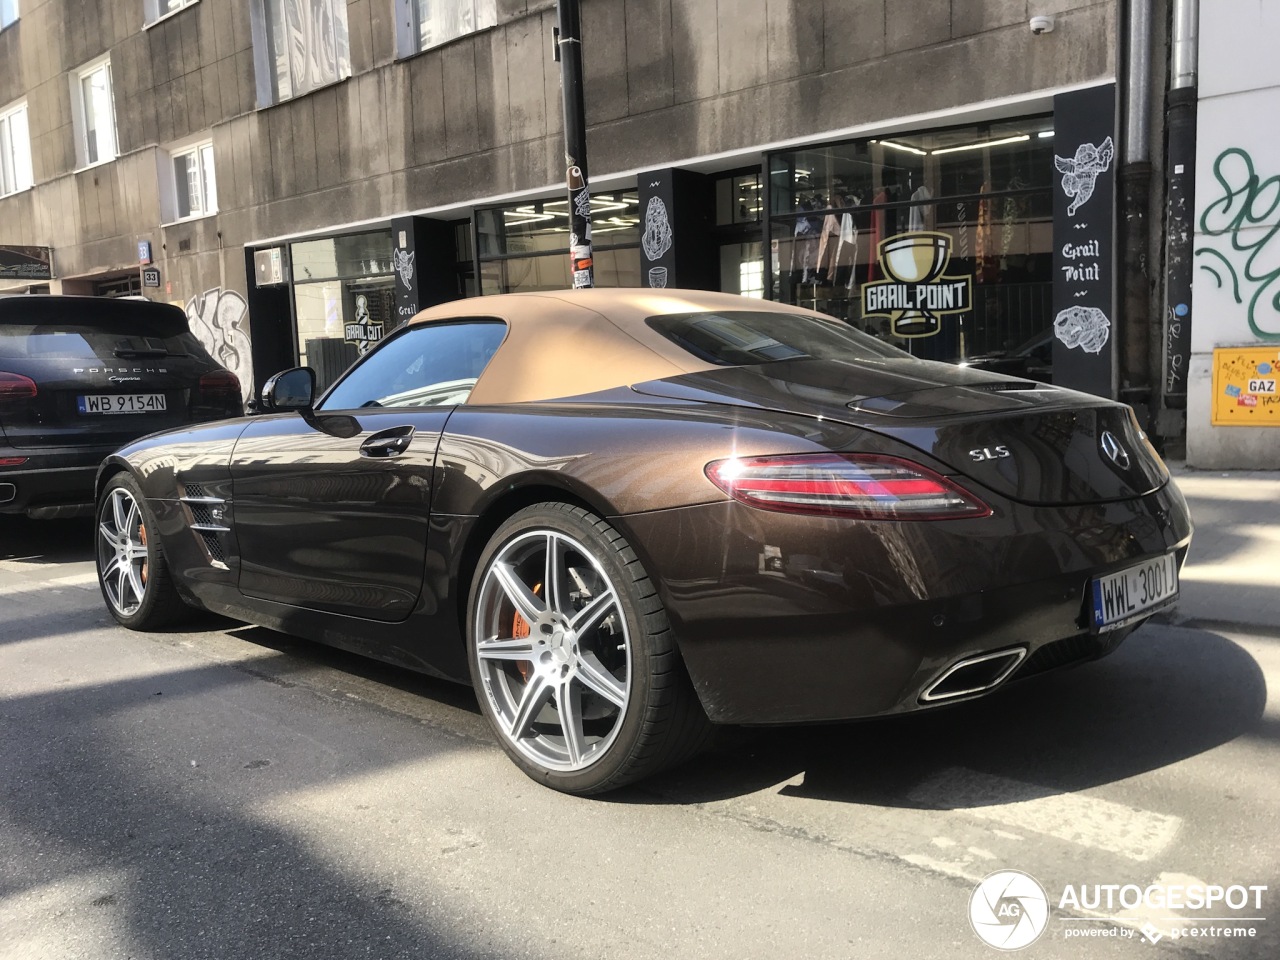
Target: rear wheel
[572,656]
[132,572]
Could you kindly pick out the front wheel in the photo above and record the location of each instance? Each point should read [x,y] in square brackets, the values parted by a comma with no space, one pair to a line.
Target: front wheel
[572,656]
[132,571]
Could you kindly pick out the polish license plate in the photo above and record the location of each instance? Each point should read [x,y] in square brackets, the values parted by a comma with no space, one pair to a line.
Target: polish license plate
[121,403]
[1130,594]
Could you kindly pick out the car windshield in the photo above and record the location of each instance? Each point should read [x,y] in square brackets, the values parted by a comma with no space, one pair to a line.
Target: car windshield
[428,365]
[741,338]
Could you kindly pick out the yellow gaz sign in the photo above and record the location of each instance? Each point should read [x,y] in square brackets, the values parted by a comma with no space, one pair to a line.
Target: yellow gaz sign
[1244,387]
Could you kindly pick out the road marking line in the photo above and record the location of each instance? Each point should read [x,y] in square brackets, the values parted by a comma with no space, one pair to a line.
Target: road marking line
[1074,817]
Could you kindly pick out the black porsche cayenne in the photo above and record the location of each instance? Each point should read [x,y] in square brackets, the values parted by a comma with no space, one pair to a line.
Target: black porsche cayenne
[79,377]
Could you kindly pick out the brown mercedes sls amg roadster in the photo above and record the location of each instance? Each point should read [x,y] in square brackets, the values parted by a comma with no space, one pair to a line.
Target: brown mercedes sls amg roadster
[621,514]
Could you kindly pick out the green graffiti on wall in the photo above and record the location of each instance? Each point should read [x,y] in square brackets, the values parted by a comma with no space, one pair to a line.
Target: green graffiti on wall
[1246,201]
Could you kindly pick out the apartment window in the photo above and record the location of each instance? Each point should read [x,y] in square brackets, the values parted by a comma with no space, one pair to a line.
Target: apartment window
[15,150]
[428,23]
[153,10]
[94,114]
[8,12]
[299,46]
[195,188]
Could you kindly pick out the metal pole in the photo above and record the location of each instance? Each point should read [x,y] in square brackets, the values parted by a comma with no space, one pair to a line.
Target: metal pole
[1134,182]
[1180,171]
[569,53]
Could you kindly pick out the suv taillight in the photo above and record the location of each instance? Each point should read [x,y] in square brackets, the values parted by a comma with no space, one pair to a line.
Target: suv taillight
[221,388]
[868,486]
[14,388]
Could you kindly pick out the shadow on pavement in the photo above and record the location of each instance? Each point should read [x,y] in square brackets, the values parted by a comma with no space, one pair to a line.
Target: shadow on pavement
[1167,694]
[46,542]
[113,832]
[315,654]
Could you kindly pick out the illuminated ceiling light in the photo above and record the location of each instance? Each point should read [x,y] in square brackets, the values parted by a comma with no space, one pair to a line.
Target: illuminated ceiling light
[598,205]
[903,147]
[526,214]
[1045,134]
[986,143]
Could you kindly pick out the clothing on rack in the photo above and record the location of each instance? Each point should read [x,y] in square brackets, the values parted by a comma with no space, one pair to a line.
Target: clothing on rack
[921,217]
[877,232]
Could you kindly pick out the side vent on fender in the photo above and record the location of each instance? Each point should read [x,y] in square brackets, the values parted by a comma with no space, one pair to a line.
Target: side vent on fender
[208,520]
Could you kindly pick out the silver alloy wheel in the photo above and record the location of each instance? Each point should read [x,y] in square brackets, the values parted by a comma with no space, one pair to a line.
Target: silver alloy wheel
[554,651]
[122,552]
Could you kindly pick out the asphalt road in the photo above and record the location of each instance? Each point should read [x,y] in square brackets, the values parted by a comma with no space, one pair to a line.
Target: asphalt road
[226,792]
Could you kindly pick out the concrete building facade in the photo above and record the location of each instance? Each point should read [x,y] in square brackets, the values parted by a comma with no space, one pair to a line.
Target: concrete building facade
[1233,405]
[302,174]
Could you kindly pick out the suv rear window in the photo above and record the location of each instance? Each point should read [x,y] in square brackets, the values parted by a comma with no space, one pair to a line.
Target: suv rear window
[115,330]
[742,338]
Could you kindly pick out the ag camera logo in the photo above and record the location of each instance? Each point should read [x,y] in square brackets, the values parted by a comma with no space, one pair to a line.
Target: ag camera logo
[1009,910]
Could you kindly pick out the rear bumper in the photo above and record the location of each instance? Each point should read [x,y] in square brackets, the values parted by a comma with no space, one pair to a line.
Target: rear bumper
[57,481]
[785,619]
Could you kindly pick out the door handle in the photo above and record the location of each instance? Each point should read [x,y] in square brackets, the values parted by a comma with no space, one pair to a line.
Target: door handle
[387,443]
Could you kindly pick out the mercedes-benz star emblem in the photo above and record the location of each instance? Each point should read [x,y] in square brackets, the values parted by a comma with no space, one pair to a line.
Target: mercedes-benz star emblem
[1116,453]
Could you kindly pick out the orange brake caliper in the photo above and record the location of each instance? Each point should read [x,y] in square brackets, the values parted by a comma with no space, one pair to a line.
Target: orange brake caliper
[520,629]
[142,538]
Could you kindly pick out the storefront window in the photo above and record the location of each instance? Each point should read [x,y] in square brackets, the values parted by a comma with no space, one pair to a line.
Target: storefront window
[742,269]
[344,299]
[526,247]
[968,216]
[739,200]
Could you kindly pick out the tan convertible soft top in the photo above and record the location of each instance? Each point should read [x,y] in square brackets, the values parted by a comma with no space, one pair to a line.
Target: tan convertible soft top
[564,343]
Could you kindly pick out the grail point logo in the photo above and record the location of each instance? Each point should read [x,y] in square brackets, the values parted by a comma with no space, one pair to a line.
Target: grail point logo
[917,295]
[1009,910]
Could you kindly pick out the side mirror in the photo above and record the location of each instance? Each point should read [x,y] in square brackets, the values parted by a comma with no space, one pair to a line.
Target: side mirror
[290,390]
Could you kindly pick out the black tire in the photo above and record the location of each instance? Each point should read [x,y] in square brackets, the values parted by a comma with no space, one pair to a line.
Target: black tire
[132,573]
[659,722]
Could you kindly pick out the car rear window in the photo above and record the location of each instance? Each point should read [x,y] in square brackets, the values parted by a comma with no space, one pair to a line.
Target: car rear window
[742,337]
[82,342]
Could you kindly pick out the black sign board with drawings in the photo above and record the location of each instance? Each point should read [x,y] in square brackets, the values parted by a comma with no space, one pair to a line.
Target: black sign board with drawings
[1084,175]
[425,261]
[26,263]
[677,210]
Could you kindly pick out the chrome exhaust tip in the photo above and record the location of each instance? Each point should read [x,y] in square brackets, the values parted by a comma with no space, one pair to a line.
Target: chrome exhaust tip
[973,675]
[8,492]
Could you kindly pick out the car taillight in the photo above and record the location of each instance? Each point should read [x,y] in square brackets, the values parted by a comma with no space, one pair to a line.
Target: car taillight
[14,387]
[220,388]
[869,486]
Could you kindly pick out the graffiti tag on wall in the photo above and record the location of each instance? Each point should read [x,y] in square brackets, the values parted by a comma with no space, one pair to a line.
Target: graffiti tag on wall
[217,319]
[1251,263]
